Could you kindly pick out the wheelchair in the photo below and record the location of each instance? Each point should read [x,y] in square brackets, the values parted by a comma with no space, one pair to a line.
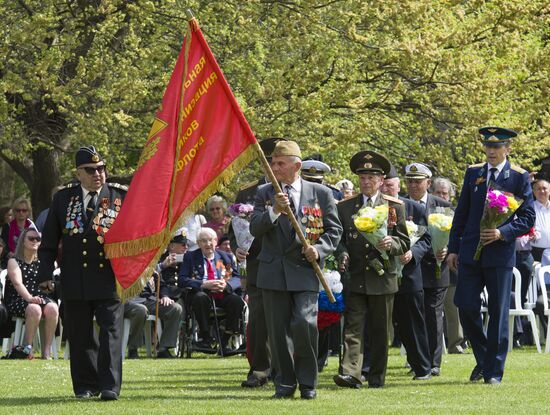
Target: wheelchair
[189,331]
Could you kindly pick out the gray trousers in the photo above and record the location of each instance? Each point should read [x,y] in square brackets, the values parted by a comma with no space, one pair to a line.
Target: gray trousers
[455,336]
[291,318]
[170,317]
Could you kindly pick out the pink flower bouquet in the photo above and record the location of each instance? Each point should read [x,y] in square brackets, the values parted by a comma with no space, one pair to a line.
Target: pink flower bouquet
[240,221]
[499,207]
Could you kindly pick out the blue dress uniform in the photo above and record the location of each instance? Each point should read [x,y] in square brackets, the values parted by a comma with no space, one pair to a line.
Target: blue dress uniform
[88,286]
[494,269]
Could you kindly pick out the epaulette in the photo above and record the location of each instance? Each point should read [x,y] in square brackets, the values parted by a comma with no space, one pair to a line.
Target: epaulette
[249,185]
[476,165]
[518,169]
[392,199]
[69,185]
[118,186]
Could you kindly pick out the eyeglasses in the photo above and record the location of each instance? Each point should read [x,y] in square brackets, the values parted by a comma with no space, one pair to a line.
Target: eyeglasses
[92,170]
[34,238]
[21,210]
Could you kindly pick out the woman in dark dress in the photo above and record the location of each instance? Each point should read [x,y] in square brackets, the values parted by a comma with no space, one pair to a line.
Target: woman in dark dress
[23,298]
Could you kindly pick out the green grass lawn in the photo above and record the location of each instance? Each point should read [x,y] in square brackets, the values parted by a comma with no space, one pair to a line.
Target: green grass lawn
[211,385]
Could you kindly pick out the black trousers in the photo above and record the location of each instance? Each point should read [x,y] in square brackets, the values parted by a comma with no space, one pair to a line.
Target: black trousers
[232,304]
[96,361]
[409,323]
[434,299]
[257,349]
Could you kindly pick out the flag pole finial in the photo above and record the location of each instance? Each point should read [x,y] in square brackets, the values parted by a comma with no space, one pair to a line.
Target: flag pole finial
[189,14]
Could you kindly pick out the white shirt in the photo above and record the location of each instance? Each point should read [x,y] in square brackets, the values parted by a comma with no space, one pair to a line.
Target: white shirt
[86,195]
[542,225]
[499,168]
[423,200]
[372,198]
[295,193]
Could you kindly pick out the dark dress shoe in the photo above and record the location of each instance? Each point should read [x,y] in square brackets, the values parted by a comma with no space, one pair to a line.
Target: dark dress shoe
[435,371]
[165,354]
[492,381]
[254,382]
[347,381]
[133,354]
[308,394]
[108,395]
[86,394]
[477,374]
[283,395]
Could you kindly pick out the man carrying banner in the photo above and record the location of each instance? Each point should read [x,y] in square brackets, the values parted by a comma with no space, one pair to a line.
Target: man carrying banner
[79,217]
[288,282]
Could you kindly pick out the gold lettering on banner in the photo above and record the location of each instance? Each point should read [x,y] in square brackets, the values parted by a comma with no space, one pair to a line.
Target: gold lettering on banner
[190,155]
[187,133]
[202,90]
[193,73]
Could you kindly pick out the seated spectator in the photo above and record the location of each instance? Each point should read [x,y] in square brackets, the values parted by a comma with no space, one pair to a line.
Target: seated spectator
[192,226]
[541,240]
[205,272]
[219,221]
[138,308]
[11,231]
[170,263]
[6,215]
[23,297]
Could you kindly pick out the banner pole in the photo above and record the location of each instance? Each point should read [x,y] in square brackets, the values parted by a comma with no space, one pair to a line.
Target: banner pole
[294,222]
[155,331]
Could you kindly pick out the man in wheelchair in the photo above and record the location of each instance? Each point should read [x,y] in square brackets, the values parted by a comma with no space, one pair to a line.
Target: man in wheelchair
[213,280]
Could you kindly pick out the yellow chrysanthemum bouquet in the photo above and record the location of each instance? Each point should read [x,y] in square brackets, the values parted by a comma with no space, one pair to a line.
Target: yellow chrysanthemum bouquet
[439,226]
[372,222]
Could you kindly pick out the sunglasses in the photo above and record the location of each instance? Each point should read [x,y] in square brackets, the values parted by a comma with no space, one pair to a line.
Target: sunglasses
[21,210]
[34,238]
[92,170]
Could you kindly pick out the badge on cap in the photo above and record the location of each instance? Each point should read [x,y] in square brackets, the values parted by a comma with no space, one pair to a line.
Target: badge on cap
[95,158]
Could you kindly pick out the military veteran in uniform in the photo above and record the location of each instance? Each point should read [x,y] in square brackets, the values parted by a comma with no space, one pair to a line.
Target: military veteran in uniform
[288,282]
[494,269]
[79,217]
[373,281]
[314,170]
[418,178]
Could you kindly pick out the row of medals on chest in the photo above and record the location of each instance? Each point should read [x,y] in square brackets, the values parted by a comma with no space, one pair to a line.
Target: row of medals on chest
[101,223]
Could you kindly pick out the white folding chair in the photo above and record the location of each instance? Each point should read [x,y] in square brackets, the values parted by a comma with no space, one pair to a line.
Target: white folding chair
[484,309]
[519,311]
[148,329]
[540,273]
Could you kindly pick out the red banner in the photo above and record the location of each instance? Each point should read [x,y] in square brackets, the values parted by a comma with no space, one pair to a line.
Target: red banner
[199,140]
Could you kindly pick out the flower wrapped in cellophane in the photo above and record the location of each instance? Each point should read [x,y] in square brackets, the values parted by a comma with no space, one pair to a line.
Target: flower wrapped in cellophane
[499,207]
[240,221]
[372,223]
[439,226]
[330,313]
[415,233]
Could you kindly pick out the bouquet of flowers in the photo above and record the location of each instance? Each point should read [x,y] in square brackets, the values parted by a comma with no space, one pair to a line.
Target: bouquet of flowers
[439,226]
[372,222]
[330,313]
[499,206]
[240,221]
[415,233]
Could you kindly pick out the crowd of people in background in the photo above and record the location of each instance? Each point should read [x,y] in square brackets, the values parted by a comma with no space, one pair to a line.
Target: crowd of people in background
[202,266]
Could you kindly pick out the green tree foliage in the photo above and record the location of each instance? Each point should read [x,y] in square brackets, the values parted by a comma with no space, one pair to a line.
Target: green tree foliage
[412,79]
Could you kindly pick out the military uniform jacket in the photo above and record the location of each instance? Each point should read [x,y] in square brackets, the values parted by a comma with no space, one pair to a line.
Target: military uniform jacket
[429,263]
[363,279]
[282,265]
[192,270]
[411,280]
[465,230]
[86,273]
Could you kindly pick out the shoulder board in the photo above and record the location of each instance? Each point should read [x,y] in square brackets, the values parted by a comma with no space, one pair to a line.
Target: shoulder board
[476,165]
[518,169]
[249,185]
[392,199]
[69,185]
[118,186]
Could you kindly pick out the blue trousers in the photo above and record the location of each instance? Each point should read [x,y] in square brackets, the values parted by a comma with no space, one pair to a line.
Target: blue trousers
[489,349]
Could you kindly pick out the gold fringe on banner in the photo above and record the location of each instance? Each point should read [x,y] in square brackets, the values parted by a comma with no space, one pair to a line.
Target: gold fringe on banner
[164,237]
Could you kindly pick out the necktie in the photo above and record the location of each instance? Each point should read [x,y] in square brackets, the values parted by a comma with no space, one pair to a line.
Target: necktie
[210,275]
[369,202]
[91,204]
[492,176]
[288,190]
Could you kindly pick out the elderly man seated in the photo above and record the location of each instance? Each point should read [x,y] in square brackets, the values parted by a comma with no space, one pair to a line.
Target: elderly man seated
[211,275]
[138,308]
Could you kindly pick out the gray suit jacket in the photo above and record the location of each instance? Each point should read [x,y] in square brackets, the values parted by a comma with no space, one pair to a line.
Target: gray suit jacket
[282,265]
